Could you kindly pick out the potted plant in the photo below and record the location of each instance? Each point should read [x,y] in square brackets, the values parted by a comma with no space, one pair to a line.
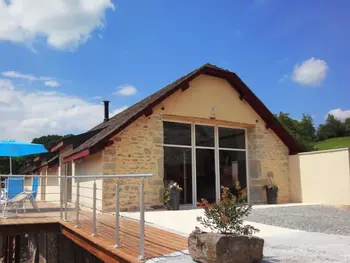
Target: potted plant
[271,190]
[229,240]
[167,198]
[172,196]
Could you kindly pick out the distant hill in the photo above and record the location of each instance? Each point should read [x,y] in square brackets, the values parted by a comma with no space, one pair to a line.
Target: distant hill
[334,143]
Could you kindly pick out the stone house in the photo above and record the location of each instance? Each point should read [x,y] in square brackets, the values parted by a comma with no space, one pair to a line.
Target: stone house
[204,130]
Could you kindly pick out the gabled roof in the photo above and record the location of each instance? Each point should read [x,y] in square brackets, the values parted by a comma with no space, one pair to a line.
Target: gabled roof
[47,159]
[117,123]
[75,140]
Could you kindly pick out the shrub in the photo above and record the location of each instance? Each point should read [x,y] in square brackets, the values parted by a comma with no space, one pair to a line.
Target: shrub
[226,217]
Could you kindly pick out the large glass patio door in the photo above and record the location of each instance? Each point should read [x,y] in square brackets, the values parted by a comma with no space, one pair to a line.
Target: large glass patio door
[201,158]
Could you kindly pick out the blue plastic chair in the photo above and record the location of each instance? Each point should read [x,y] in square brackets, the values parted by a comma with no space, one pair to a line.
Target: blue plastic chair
[35,186]
[14,186]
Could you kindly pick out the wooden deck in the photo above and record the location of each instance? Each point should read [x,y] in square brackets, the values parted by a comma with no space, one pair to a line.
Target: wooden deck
[158,242]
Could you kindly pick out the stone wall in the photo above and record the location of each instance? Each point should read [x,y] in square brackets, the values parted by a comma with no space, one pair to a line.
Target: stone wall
[137,149]
[267,154]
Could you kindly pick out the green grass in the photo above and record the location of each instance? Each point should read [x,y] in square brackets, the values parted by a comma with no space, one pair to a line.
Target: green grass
[334,143]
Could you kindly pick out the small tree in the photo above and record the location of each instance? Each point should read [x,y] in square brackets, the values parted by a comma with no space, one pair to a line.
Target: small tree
[226,217]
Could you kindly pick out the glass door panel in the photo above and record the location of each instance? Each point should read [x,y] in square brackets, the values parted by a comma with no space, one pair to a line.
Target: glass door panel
[231,138]
[205,168]
[233,169]
[178,168]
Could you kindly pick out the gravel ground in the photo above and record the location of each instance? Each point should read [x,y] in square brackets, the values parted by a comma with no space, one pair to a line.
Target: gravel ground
[292,234]
[295,247]
[313,218]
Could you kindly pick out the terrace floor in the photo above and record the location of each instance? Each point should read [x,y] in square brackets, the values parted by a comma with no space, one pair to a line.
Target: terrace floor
[158,242]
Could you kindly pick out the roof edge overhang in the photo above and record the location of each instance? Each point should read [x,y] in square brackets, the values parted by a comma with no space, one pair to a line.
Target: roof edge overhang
[77,155]
[57,147]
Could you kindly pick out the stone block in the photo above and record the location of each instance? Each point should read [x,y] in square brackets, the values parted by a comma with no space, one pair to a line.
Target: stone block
[107,166]
[220,248]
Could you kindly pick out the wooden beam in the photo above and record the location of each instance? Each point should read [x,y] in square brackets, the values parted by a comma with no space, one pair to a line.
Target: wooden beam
[109,143]
[185,86]
[148,112]
[209,121]
[94,249]
[18,229]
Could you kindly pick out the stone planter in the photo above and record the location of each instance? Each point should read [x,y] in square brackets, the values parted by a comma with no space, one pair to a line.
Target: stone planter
[174,199]
[220,248]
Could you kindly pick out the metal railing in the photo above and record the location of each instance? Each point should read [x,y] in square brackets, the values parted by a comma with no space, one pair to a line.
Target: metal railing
[66,202]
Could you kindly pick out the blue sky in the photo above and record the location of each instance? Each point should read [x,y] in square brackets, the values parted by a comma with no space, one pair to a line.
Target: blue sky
[292,54]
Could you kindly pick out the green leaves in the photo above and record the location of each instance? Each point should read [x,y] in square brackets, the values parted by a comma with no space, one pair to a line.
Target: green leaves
[226,217]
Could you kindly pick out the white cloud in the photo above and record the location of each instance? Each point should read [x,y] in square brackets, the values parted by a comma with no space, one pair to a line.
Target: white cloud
[311,72]
[25,115]
[118,110]
[126,90]
[52,83]
[48,81]
[62,23]
[339,114]
[18,75]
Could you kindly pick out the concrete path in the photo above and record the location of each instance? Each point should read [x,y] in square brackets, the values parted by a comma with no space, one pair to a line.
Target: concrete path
[281,244]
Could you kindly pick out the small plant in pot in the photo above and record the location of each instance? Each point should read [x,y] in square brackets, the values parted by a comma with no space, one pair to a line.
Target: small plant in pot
[271,190]
[172,196]
[230,240]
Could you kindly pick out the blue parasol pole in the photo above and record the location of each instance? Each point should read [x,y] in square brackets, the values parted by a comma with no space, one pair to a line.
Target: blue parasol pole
[10,165]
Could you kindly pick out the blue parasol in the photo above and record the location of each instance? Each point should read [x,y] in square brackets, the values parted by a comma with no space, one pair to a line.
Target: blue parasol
[13,148]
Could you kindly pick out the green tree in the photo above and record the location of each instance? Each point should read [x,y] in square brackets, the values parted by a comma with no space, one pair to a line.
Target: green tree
[322,133]
[347,127]
[300,132]
[50,140]
[18,163]
[307,129]
[331,129]
[288,123]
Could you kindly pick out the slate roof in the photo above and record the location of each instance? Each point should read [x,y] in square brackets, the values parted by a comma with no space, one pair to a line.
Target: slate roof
[144,107]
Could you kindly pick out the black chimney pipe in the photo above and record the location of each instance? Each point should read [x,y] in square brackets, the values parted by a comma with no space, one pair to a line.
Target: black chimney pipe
[106,103]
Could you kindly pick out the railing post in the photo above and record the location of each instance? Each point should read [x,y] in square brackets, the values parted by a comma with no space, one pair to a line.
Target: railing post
[116,235]
[142,221]
[65,198]
[61,192]
[77,204]
[94,231]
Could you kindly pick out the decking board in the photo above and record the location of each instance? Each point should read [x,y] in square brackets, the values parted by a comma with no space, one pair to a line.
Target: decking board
[158,242]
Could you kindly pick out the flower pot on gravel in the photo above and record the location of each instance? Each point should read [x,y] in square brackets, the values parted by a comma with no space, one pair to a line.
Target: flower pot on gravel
[232,241]
[271,189]
[271,194]
[219,248]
